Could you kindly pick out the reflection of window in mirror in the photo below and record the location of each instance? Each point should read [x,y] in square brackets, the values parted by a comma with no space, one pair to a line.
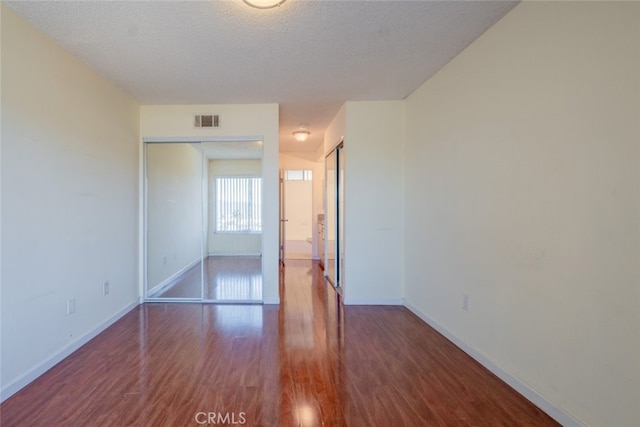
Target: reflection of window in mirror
[238,204]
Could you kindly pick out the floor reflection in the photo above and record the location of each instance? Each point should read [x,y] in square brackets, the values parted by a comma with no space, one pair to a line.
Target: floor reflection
[310,348]
[225,279]
[247,319]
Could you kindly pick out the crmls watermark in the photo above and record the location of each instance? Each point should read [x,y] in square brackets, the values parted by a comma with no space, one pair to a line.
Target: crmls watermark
[221,418]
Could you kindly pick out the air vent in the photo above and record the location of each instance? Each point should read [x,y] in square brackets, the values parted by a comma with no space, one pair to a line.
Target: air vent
[207,121]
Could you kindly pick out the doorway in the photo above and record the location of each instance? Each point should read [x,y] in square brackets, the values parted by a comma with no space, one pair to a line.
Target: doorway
[298,200]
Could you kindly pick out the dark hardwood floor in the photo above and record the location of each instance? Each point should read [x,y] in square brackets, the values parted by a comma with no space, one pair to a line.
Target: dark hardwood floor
[308,362]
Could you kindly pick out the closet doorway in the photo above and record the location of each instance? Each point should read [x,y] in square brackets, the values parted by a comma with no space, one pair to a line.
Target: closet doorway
[203,221]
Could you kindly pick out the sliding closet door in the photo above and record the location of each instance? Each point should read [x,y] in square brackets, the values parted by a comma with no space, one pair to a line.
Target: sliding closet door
[174,221]
[334,216]
[340,220]
[331,218]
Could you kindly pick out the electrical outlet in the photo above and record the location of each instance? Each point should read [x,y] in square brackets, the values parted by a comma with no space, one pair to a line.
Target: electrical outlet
[105,288]
[466,302]
[164,260]
[71,306]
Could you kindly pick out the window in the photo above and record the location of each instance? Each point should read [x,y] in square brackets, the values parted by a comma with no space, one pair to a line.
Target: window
[298,175]
[238,204]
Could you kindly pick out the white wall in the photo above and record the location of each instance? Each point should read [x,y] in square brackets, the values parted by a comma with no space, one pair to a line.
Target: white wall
[298,199]
[522,191]
[231,243]
[253,121]
[174,211]
[335,131]
[69,202]
[292,161]
[374,202]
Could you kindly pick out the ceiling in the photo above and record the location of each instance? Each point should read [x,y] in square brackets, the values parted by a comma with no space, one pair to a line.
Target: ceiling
[309,56]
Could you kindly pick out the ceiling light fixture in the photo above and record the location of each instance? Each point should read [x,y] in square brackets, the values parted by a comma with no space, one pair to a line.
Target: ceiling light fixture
[301,135]
[264,4]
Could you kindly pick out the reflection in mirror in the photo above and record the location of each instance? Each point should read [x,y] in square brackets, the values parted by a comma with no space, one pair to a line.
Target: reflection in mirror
[340,221]
[174,220]
[204,221]
[233,225]
[330,217]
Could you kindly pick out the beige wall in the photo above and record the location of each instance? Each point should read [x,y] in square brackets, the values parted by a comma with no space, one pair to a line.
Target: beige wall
[522,191]
[231,243]
[242,121]
[69,202]
[335,131]
[374,202]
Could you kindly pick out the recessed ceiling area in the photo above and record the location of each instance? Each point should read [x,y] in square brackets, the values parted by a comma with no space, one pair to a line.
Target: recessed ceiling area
[308,56]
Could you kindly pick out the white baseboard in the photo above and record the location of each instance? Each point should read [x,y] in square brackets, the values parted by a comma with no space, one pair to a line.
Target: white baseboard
[56,358]
[367,301]
[561,416]
[243,254]
[169,281]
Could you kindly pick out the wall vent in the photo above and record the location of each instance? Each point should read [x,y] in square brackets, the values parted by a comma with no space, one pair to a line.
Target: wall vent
[207,121]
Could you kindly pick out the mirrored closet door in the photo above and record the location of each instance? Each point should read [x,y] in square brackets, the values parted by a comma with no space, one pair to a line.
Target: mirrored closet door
[334,216]
[204,221]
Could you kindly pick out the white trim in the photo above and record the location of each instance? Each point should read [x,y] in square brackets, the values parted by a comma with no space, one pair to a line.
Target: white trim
[366,301]
[169,281]
[238,254]
[268,301]
[66,351]
[558,414]
[197,139]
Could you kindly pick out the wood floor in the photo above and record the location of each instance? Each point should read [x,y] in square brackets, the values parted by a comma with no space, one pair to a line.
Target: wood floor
[298,249]
[225,278]
[308,362]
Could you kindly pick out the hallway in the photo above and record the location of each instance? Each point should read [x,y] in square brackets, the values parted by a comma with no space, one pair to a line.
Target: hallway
[309,362]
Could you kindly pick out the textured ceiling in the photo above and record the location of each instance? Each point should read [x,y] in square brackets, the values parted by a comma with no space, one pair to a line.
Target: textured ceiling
[309,56]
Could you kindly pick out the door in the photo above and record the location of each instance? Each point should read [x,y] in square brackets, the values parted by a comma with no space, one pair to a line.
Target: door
[340,220]
[283,220]
[203,221]
[298,214]
[331,209]
[334,216]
